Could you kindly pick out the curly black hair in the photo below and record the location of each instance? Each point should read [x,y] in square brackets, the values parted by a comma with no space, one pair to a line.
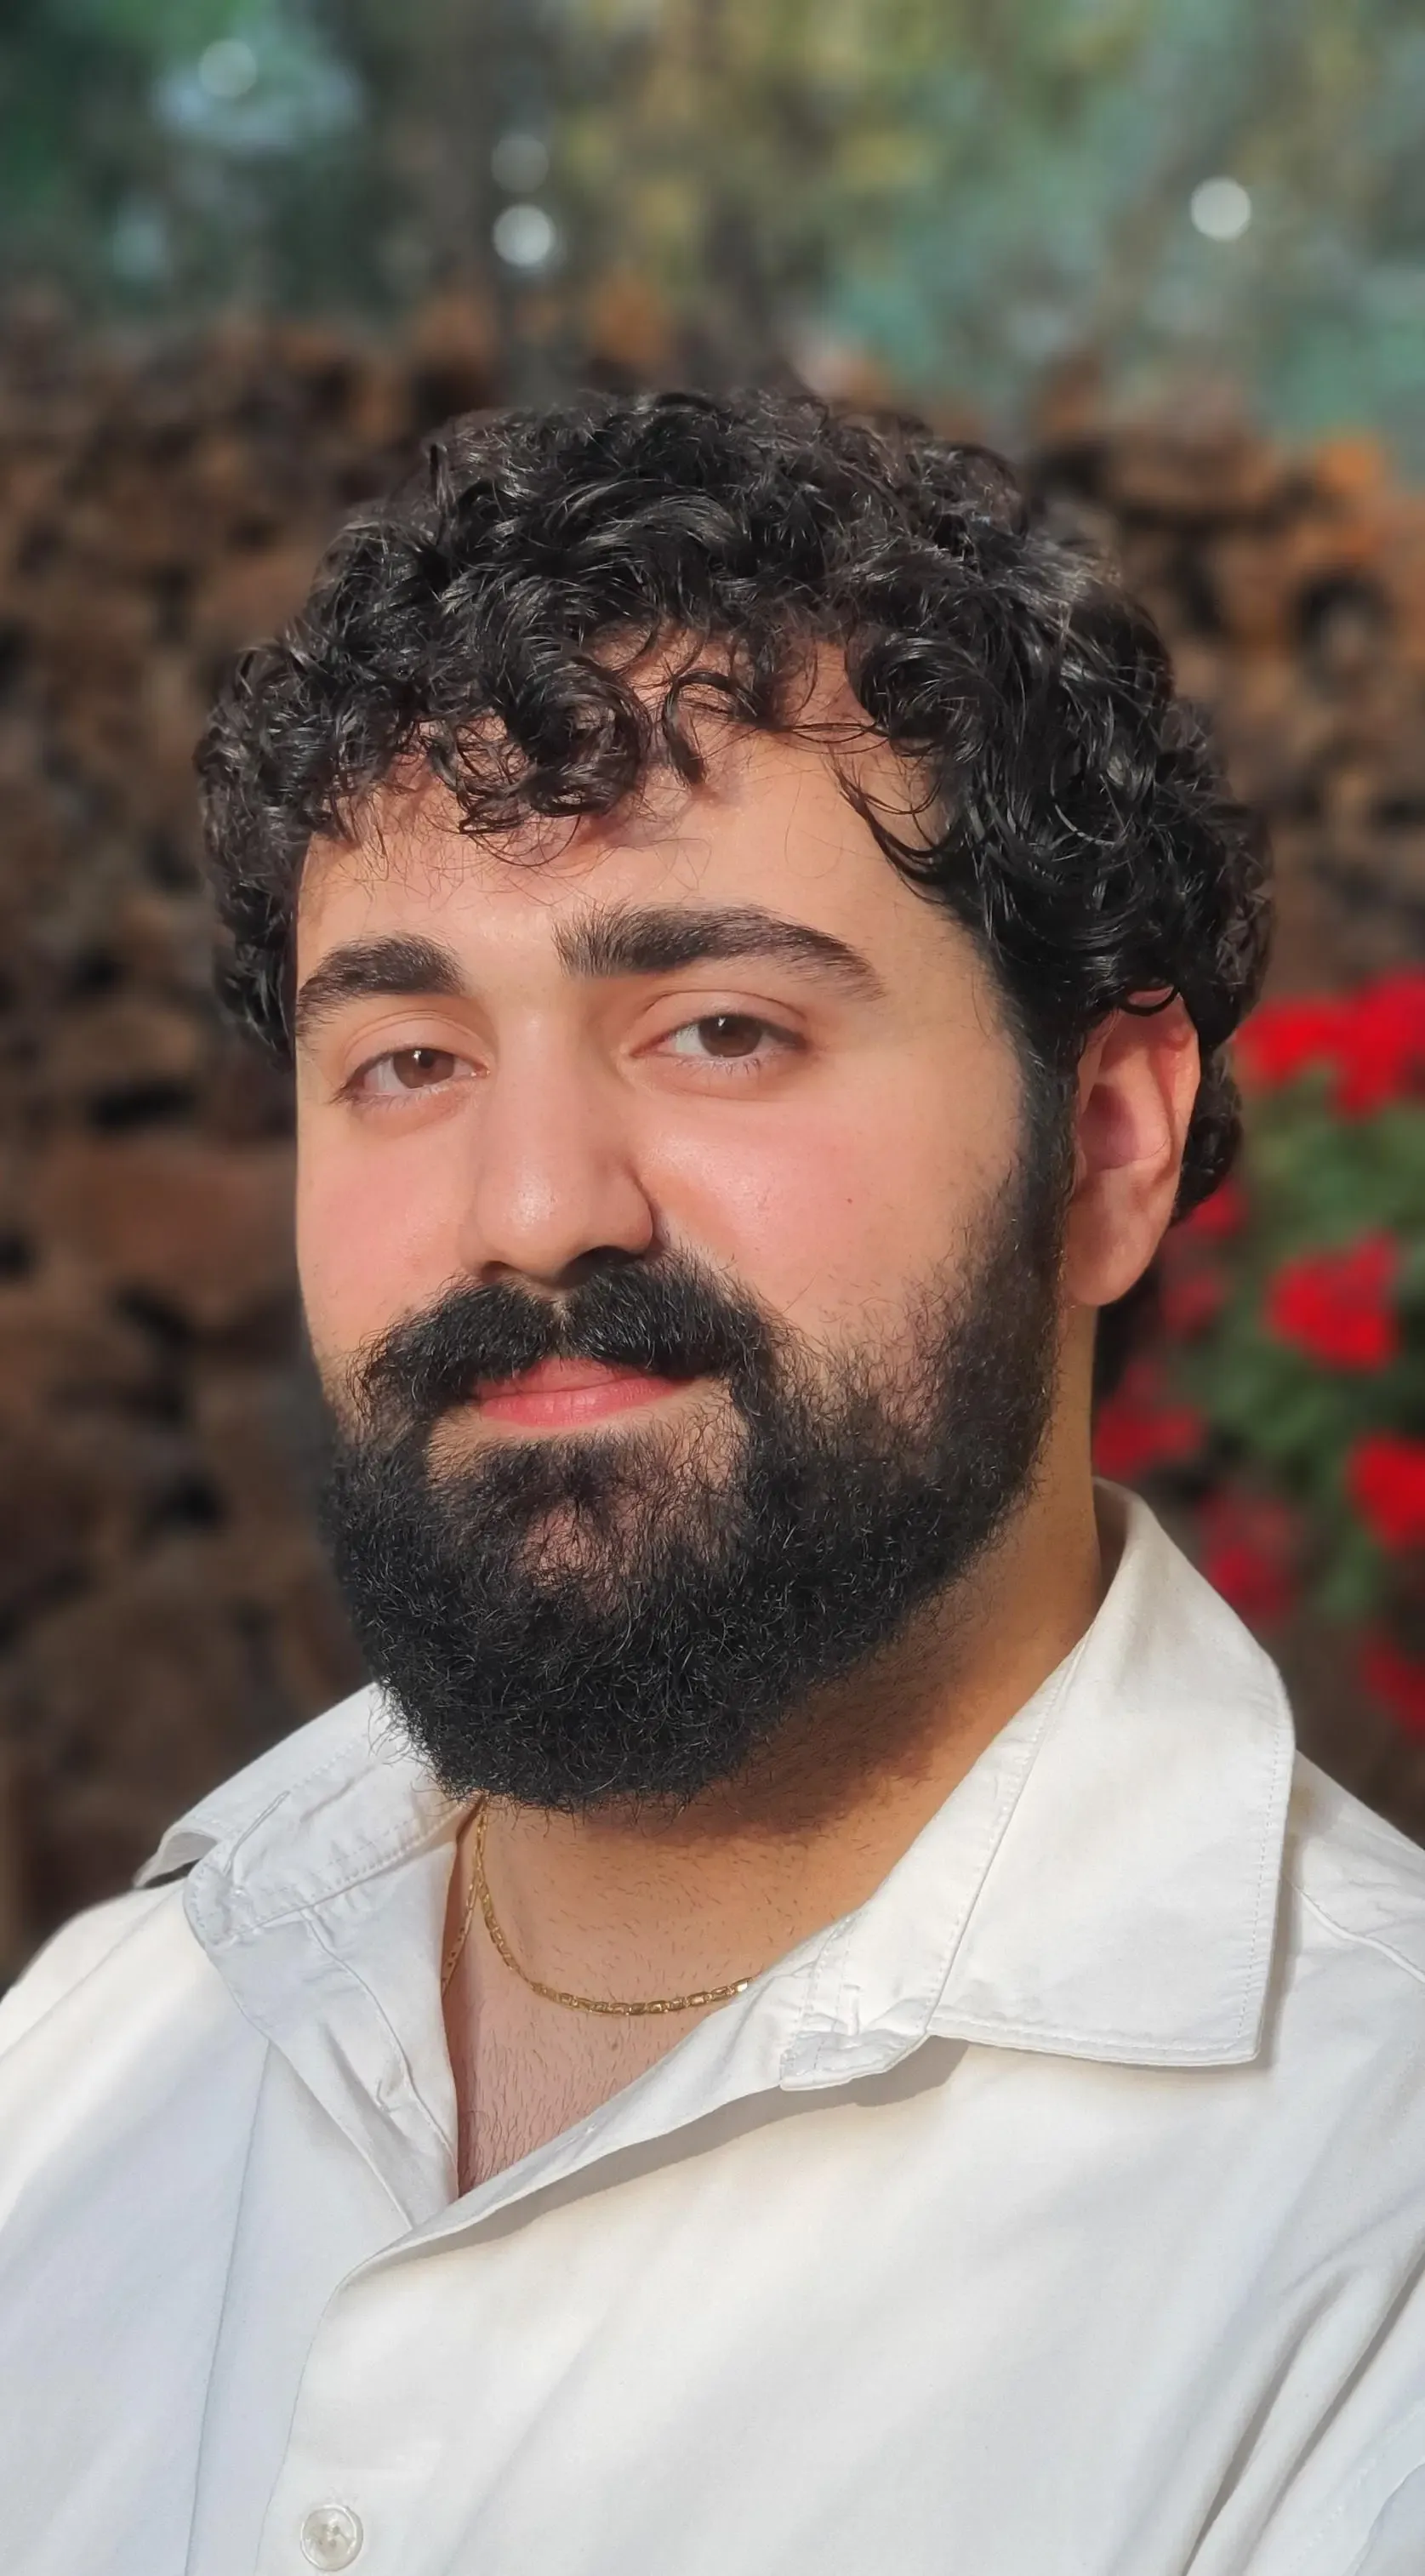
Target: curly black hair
[494,618]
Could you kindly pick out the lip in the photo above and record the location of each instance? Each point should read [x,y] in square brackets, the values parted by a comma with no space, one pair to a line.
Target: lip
[559,1394]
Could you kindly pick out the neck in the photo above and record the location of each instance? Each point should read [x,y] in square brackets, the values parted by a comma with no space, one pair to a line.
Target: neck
[638,1899]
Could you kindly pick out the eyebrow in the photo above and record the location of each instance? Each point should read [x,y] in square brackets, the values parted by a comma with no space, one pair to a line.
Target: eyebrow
[363,967]
[660,939]
[648,939]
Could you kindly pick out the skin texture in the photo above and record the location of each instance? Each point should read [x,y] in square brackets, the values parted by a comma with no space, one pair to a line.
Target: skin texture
[830,1158]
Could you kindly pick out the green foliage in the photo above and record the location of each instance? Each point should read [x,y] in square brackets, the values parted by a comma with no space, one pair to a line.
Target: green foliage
[969,194]
[1290,1391]
[137,189]
[1051,213]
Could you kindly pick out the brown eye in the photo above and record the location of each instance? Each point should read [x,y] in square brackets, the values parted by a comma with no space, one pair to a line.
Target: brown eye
[730,1033]
[407,1069]
[414,1067]
[737,1039]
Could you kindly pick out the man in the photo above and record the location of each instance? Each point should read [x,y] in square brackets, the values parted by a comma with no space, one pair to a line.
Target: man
[808,2020]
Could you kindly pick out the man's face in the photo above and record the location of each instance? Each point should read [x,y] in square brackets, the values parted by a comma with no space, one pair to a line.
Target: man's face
[820,1127]
[664,1221]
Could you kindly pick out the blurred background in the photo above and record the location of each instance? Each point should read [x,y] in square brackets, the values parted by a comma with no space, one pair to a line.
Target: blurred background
[1171,253]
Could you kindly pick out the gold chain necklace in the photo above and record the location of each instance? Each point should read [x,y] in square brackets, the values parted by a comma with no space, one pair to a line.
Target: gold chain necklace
[480,1895]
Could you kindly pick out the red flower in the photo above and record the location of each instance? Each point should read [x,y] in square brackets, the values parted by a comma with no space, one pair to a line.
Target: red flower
[1283,1039]
[1138,1427]
[1191,1297]
[1385,1476]
[1224,1214]
[1192,1287]
[1373,1041]
[1336,1306]
[1396,1680]
[1249,1545]
[1383,1055]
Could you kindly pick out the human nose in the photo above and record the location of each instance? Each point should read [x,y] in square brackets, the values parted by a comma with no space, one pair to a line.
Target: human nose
[554,1180]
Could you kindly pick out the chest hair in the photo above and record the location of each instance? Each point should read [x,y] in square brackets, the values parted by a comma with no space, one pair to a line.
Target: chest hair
[526,2070]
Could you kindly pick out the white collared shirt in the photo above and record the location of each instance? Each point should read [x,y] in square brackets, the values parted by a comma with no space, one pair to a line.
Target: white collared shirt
[1060,2212]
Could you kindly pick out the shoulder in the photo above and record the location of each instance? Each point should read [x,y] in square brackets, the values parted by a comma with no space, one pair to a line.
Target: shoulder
[79,1951]
[341,1737]
[121,2014]
[139,1946]
[1359,1886]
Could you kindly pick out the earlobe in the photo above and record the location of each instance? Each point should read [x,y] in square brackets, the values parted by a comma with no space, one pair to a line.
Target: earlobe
[1138,1079]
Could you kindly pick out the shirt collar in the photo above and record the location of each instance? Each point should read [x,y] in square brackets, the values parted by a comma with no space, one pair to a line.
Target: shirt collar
[1101,1885]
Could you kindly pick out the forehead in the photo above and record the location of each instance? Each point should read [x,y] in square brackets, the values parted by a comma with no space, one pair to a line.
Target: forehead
[771,825]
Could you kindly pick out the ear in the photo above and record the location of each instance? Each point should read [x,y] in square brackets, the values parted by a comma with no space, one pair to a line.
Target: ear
[1138,1079]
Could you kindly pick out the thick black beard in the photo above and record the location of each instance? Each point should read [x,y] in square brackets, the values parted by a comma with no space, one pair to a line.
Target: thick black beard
[632,1614]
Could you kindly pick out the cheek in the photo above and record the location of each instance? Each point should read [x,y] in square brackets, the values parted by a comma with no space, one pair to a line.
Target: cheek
[376,1233]
[829,1211]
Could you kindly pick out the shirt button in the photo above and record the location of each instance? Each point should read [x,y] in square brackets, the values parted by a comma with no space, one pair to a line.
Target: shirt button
[331,2536]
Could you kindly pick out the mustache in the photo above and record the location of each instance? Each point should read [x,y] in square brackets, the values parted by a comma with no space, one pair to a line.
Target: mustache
[669,1316]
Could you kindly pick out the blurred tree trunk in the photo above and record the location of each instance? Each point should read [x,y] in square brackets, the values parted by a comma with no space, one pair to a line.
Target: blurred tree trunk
[735,333]
[453,76]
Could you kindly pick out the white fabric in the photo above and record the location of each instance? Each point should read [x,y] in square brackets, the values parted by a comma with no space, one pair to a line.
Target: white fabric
[1059,2213]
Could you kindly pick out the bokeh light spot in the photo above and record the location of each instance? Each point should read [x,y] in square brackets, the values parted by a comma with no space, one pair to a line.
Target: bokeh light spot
[228,69]
[1221,208]
[524,236]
